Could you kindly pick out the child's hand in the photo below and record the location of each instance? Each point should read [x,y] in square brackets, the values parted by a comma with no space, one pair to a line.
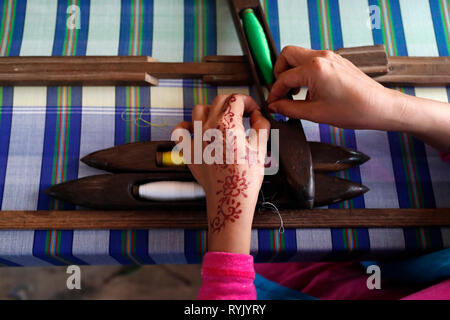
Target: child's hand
[231,184]
[338,92]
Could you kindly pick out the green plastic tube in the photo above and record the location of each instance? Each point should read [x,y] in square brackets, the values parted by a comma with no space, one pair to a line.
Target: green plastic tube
[258,45]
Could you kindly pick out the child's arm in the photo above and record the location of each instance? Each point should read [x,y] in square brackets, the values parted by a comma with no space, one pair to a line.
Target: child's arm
[232,186]
[340,94]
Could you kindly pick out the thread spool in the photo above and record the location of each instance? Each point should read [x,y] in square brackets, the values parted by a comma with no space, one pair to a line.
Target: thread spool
[167,159]
[259,46]
[169,191]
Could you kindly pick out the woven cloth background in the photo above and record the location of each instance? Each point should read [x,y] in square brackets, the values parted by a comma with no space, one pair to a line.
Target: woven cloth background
[45,130]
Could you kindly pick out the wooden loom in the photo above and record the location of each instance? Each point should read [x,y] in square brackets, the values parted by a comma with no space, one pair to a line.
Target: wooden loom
[219,70]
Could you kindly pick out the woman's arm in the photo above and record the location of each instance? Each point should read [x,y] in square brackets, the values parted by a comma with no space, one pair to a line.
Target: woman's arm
[340,94]
[231,176]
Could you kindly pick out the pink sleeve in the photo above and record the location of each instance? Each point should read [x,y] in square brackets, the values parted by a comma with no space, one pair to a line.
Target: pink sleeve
[445,157]
[440,291]
[227,276]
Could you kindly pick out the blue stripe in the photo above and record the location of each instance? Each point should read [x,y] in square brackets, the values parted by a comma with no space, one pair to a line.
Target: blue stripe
[115,247]
[126,25]
[16,41]
[142,247]
[192,252]
[50,139]
[189,45]
[122,116]
[273,21]
[5,132]
[336,28]
[4,262]
[339,245]
[265,251]
[66,241]
[140,253]
[314,25]
[439,31]
[412,243]
[144,92]
[61,27]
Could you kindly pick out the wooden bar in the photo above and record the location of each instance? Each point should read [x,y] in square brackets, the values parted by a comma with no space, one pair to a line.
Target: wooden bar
[93,78]
[160,70]
[182,218]
[74,59]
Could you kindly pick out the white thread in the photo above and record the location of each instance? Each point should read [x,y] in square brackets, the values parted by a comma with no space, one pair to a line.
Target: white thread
[171,191]
[269,205]
[130,117]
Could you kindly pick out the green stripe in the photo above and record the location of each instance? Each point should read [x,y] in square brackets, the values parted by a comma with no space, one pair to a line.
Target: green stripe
[322,44]
[58,243]
[75,38]
[3,19]
[130,46]
[11,31]
[444,24]
[195,36]
[67,137]
[47,242]
[330,31]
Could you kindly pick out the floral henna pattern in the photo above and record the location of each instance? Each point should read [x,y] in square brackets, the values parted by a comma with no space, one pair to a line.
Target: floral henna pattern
[234,185]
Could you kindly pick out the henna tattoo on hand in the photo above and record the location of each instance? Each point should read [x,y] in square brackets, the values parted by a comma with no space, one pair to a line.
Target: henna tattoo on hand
[234,184]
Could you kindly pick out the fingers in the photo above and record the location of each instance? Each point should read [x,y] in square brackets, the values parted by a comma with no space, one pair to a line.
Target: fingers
[290,79]
[185,125]
[200,113]
[260,126]
[298,109]
[292,56]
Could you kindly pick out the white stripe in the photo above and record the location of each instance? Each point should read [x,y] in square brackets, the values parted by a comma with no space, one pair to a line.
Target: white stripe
[39,28]
[168,30]
[17,247]
[254,247]
[312,244]
[92,247]
[166,245]
[23,169]
[104,27]
[294,23]
[418,27]
[386,241]
[97,127]
[227,39]
[354,22]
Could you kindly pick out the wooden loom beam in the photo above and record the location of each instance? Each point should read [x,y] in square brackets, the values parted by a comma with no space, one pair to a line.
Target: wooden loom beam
[182,218]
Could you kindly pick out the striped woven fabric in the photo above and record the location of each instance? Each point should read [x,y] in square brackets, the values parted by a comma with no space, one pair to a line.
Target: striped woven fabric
[45,130]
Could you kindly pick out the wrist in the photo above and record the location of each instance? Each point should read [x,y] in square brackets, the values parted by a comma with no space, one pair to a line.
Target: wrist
[230,232]
[401,113]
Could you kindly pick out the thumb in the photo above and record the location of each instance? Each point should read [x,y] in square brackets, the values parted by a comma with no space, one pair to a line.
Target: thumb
[299,109]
